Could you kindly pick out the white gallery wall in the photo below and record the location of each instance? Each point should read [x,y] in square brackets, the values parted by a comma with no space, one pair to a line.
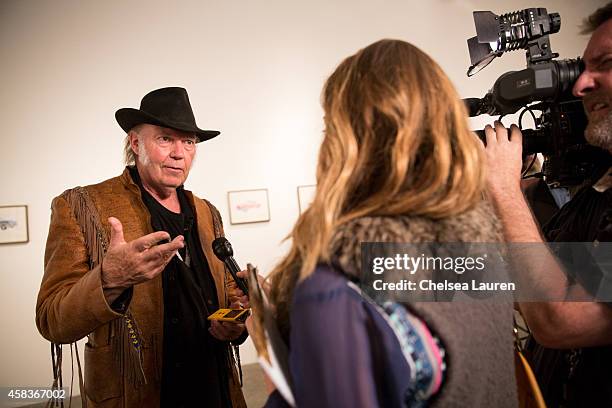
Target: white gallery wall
[254,70]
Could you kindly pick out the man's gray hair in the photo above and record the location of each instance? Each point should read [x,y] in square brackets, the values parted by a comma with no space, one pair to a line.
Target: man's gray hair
[129,158]
[600,16]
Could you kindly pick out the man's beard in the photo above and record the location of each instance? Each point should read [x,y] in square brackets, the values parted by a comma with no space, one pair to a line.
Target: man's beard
[599,133]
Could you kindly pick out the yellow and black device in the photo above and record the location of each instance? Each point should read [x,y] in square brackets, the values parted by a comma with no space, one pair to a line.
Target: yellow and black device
[230,315]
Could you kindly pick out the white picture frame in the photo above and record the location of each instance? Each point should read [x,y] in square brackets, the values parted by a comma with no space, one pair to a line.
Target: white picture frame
[14,224]
[248,206]
[305,196]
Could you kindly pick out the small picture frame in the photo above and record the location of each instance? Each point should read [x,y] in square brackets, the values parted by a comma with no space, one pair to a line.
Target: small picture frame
[248,206]
[305,196]
[14,224]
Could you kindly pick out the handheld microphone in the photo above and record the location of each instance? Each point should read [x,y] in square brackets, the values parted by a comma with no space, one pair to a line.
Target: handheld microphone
[223,250]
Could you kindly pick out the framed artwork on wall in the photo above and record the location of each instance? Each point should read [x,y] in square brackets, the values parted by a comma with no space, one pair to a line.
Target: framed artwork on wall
[14,224]
[305,196]
[247,206]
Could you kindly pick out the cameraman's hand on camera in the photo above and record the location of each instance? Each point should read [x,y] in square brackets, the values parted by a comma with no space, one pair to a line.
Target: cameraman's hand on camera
[504,162]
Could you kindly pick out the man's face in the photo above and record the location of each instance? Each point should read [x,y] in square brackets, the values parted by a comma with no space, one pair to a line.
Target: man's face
[164,156]
[595,87]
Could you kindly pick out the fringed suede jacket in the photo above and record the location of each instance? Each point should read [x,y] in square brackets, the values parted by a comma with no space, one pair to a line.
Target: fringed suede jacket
[71,303]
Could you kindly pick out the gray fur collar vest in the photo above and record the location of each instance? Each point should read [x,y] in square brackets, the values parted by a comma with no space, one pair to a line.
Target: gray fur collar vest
[477,336]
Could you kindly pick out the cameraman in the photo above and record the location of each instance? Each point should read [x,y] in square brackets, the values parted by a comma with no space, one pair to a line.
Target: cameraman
[579,371]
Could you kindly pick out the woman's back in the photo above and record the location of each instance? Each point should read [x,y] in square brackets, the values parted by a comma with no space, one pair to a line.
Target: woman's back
[398,163]
[477,336]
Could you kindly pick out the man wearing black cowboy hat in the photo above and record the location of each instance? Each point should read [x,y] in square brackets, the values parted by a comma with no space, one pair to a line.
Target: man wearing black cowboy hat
[129,264]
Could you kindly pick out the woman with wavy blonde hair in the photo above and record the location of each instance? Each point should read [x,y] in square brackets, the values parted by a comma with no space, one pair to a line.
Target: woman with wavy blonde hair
[398,163]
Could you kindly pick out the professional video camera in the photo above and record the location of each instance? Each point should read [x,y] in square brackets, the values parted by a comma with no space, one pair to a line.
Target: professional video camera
[544,86]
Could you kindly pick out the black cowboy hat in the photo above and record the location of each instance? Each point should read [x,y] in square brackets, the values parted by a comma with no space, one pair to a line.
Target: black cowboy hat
[166,107]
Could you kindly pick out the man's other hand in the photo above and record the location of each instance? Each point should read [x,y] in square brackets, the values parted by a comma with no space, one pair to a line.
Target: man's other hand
[237,298]
[225,331]
[129,263]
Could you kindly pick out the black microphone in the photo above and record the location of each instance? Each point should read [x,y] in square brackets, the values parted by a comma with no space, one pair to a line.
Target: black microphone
[223,250]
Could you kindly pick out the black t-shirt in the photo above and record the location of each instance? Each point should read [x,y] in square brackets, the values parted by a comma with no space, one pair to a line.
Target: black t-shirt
[581,377]
[582,219]
[194,366]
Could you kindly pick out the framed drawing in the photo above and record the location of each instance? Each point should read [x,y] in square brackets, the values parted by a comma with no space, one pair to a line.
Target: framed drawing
[248,206]
[305,196]
[14,224]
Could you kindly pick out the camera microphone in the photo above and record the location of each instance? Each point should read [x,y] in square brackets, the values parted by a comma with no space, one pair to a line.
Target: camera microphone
[223,250]
[478,106]
[473,106]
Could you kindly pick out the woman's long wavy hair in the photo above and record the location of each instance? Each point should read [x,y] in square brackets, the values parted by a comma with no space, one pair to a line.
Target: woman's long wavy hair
[396,142]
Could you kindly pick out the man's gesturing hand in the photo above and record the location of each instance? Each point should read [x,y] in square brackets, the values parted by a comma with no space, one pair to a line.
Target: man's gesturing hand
[128,263]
